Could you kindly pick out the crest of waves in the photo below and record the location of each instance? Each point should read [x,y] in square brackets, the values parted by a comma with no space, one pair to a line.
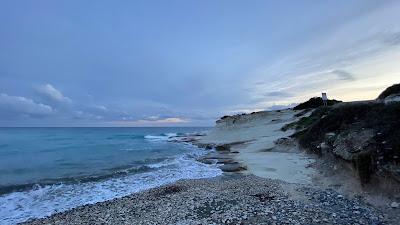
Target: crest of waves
[43,201]
[170,136]
[162,137]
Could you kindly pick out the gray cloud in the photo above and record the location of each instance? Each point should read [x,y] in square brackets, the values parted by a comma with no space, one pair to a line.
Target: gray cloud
[21,106]
[50,93]
[278,94]
[392,39]
[260,83]
[127,67]
[343,75]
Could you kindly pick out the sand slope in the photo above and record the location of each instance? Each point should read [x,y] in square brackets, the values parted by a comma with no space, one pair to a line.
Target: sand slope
[261,145]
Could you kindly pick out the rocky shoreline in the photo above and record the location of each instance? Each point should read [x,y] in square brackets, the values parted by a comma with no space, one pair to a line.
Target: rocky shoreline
[228,199]
[242,146]
[220,154]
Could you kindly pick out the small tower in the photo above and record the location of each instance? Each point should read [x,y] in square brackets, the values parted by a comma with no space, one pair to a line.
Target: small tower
[325,99]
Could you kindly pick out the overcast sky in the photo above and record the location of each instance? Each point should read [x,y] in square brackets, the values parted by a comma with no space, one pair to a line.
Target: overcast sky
[186,63]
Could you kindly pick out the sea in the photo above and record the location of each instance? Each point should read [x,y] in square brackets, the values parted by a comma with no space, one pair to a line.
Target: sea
[49,170]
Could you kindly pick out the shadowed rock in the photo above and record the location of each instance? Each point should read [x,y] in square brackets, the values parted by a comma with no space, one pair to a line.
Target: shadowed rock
[223,147]
[233,167]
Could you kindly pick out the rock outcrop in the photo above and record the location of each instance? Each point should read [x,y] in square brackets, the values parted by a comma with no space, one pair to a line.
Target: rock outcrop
[365,134]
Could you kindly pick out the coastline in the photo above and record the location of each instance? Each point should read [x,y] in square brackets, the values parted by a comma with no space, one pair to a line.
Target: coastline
[132,163]
[304,190]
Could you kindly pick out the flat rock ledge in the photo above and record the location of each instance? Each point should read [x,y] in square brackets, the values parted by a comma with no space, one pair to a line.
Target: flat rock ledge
[234,199]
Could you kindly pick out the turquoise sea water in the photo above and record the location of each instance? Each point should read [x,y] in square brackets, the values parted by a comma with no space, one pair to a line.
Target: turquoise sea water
[47,170]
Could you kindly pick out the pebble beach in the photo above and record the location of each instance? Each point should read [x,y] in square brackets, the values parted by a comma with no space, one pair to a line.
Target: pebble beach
[228,199]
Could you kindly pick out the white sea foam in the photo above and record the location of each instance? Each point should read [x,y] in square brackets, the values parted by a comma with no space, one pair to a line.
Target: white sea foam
[20,206]
[163,137]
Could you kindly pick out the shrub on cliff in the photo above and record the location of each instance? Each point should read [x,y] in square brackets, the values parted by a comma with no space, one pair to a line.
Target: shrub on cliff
[338,119]
[394,89]
[313,103]
[383,119]
[305,122]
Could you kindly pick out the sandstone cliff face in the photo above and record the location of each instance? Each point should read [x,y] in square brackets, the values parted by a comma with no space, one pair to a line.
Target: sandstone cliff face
[348,145]
[227,121]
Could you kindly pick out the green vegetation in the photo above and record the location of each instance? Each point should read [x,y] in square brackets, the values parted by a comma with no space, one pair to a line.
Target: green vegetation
[383,145]
[313,103]
[383,119]
[305,122]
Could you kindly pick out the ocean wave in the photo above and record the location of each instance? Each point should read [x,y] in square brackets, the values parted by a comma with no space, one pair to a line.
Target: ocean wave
[163,137]
[146,165]
[44,200]
[125,136]
[114,172]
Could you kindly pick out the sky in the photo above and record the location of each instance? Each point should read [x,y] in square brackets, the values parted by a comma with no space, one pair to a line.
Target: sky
[187,63]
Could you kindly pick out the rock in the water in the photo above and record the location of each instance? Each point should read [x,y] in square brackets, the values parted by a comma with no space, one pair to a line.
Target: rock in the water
[216,155]
[223,147]
[206,146]
[225,161]
[233,167]
[394,205]
[206,161]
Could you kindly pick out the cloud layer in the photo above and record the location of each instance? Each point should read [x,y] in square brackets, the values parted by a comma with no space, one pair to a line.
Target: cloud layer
[186,64]
[48,92]
[17,106]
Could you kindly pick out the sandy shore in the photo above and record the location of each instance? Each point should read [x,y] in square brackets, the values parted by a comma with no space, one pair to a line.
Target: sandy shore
[237,199]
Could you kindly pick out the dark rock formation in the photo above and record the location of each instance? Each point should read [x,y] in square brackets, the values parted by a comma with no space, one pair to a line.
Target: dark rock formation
[223,147]
[233,167]
[365,134]
[313,103]
[392,90]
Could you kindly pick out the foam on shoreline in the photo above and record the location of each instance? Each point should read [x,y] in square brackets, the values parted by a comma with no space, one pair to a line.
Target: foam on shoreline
[43,201]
